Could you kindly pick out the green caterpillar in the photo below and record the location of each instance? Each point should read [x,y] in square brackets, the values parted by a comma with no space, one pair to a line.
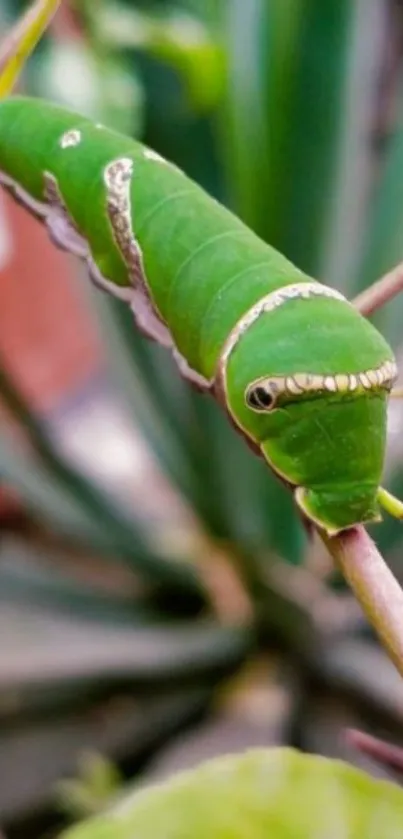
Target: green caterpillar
[302,375]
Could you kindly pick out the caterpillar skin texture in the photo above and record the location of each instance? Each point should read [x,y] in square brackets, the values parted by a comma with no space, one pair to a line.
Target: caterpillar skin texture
[300,372]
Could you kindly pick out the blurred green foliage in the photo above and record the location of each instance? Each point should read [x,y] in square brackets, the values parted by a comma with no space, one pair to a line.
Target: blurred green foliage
[249,795]
[277,107]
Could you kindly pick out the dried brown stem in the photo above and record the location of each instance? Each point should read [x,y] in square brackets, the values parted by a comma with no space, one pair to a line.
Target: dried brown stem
[380,292]
[374,586]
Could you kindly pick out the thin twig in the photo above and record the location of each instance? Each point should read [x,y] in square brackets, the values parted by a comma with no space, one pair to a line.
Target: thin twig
[380,292]
[384,753]
[374,586]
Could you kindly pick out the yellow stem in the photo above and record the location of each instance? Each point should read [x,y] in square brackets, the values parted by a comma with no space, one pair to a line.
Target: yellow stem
[21,41]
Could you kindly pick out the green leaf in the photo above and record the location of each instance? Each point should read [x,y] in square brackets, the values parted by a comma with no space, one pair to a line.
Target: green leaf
[103,87]
[261,42]
[35,574]
[283,118]
[347,201]
[97,782]
[384,237]
[46,499]
[384,243]
[313,134]
[151,387]
[273,794]
[174,37]
[74,495]
[197,450]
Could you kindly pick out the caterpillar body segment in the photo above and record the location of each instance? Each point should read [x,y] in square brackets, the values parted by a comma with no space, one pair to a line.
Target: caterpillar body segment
[302,375]
[180,234]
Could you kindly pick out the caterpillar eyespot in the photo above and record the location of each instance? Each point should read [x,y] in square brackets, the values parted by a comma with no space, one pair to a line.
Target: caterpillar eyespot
[259,398]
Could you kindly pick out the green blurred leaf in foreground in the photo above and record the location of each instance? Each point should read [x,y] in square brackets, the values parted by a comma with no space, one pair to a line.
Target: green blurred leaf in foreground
[273,794]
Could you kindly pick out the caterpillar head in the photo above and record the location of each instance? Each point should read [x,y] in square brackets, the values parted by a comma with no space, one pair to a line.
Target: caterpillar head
[308,385]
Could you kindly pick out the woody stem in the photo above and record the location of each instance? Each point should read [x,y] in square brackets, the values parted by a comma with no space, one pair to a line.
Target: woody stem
[380,292]
[374,586]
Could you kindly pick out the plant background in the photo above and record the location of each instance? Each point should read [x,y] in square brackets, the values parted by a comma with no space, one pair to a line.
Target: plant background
[159,599]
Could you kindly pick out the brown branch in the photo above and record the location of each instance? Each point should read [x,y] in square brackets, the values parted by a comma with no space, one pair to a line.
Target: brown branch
[374,586]
[380,292]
